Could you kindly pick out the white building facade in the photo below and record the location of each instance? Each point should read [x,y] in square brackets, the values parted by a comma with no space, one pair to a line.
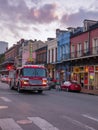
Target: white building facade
[52,56]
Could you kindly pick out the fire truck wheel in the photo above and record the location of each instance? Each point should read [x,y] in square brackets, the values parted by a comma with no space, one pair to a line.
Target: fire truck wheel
[40,91]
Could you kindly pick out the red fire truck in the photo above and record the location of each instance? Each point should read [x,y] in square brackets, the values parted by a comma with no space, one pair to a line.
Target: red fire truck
[29,77]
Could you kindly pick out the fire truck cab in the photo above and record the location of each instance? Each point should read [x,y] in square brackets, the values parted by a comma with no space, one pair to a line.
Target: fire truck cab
[29,77]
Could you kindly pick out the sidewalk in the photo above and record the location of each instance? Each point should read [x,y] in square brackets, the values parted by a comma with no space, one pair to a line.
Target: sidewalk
[92,92]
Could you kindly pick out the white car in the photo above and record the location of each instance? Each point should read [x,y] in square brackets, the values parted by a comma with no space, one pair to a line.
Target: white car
[4,78]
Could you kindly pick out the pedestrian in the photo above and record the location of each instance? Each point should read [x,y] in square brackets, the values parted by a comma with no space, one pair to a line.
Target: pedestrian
[58,87]
[82,82]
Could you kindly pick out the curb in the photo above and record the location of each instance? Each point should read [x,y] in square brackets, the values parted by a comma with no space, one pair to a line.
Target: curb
[96,94]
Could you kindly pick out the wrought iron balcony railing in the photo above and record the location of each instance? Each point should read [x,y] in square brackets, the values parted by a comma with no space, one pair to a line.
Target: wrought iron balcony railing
[80,54]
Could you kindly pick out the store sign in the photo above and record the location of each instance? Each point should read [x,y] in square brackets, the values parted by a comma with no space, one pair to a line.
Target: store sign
[76,69]
[31,51]
[86,68]
[91,68]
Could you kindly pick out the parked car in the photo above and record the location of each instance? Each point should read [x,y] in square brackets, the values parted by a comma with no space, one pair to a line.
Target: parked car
[4,78]
[71,86]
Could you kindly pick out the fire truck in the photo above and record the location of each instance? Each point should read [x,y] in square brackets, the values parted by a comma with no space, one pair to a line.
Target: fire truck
[29,77]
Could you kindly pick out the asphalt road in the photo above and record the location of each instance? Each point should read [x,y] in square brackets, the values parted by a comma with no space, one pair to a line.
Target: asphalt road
[52,110]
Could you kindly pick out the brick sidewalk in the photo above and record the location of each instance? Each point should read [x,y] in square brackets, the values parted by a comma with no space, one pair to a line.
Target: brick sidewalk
[93,92]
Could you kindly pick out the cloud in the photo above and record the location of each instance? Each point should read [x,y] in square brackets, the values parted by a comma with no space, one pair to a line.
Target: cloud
[36,29]
[22,17]
[75,19]
[18,11]
[11,10]
[36,1]
[16,16]
[45,14]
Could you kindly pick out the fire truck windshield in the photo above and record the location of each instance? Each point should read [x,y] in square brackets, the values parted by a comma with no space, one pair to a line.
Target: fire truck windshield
[34,72]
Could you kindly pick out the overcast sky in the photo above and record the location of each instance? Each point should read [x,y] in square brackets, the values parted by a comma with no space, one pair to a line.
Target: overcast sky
[39,19]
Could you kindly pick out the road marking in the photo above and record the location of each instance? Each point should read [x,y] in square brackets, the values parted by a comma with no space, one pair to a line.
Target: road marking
[90,117]
[77,123]
[3,107]
[5,99]
[42,124]
[9,124]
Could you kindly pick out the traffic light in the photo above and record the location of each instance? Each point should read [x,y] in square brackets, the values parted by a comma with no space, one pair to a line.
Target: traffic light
[9,67]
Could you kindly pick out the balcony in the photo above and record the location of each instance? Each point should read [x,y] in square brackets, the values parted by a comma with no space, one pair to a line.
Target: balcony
[92,52]
[65,56]
[95,50]
[85,53]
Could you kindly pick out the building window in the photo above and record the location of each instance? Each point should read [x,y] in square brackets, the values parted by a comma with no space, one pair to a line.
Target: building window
[72,51]
[86,47]
[49,56]
[55,54]
[61,51]
[66,51]
[52,55]
[79,49]
[95,46]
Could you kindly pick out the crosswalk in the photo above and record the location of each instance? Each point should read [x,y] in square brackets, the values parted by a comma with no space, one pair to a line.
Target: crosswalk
[11,124]
[40,123]
[43,123]
[78,123]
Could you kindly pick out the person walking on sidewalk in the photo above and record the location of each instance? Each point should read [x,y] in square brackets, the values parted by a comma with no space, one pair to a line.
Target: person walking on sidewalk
[58,85]
[82,82]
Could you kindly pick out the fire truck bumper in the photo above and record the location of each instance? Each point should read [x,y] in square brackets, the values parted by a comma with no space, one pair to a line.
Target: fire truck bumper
[35,88]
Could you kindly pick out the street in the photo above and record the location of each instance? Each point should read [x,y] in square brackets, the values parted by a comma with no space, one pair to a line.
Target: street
[51,110]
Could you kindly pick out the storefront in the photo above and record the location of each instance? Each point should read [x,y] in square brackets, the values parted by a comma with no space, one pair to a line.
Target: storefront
[60,73]
[51,70]
[63,71]
[87,76]
[96,77]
